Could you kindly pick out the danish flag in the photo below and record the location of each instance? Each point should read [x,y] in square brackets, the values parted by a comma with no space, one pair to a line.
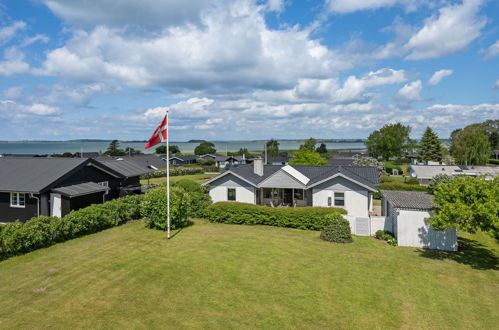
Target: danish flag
[159,135]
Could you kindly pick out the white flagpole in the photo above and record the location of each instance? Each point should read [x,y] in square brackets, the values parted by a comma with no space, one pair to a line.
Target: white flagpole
[168,174]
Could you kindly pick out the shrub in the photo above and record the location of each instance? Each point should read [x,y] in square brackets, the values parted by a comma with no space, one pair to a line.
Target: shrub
[153,208]
[18,238]
[401,187]
[437,180]
[494,161]
[189,185]
[199,202]
[337,229]
[239,213]
[386,236]
[389,169]
[174,171]
[412,181]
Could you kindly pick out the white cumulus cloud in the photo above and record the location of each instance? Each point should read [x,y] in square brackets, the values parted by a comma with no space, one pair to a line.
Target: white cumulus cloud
[492,51]
[410,92]
[451,31]
[439,75]
[8,32]
[349,6]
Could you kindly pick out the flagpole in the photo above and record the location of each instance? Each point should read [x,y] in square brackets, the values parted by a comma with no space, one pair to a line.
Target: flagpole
[168,175]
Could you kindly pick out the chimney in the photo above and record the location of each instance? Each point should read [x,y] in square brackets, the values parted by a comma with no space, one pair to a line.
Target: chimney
[258,166]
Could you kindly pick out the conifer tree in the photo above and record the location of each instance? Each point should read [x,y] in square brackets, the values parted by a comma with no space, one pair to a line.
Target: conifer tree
[429,147]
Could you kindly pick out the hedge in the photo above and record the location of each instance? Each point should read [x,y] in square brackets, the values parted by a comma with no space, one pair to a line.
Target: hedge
[337,229]
[176,171]
[18,238]
[153,208]
[401,187]
[240,213]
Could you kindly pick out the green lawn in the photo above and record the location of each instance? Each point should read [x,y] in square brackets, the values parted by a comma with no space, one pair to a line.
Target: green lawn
[199,178]
[234,276]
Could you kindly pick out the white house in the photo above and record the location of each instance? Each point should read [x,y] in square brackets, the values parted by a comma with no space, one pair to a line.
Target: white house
[348,187]
[424,173]
[405,215]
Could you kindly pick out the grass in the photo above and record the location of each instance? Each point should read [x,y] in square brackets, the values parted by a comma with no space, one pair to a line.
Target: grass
[199,178]
[234,276]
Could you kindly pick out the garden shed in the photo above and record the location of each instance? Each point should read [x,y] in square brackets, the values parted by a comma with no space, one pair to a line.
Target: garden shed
[407,213]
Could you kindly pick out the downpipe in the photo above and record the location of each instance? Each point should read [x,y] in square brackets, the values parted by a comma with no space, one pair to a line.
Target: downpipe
[31,195]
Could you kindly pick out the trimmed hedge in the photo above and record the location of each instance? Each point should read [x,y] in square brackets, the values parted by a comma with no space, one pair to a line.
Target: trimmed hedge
[401,187]
[153,208]
[337,229]
[18,238]
[240,213]
[175,171]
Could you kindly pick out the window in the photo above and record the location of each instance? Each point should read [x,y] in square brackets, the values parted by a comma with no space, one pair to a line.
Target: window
[339,199]
[267,193]
[329,201]
[104,183]
[231,194]
[17,199]
[299,194]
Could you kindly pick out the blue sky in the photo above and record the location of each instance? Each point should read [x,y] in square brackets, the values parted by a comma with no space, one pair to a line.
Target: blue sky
[245,69]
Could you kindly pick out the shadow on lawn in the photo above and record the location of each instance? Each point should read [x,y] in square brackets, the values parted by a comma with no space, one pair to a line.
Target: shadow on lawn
[471,253]
[188,224]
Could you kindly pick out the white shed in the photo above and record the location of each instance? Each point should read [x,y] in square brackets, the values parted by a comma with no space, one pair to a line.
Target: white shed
[408,211]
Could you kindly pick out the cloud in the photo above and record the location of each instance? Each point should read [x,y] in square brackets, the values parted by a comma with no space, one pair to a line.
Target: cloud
[12,110]
[8,32]
[31,40]
[410,92]
[492,51]
[13,63]
[349,6]
[233,50]
[439,75]
[145,13]
[453,30]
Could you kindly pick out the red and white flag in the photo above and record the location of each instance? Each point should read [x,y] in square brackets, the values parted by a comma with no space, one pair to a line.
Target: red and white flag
[159,135]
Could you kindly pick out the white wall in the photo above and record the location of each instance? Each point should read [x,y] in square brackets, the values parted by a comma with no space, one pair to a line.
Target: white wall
[380,223]
[245,193]
[356,197]
[413,230]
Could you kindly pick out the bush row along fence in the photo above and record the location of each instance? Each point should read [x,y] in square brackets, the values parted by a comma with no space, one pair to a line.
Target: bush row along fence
[312,218]
[39,232]
[176,171]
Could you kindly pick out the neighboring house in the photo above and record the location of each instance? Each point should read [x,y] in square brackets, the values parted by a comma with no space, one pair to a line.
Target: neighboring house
[130,173]
[54,186]
[341,161]
[90,154]
[350,154]
[424,173]
[278,160]
[406,214]
[224,161]
[349,187]
[150,161]
[183,160]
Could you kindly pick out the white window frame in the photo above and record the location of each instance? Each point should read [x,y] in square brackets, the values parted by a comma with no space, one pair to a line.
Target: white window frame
[17,204]
[104,184]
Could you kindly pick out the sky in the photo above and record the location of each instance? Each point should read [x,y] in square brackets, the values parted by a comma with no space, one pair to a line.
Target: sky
[245,69]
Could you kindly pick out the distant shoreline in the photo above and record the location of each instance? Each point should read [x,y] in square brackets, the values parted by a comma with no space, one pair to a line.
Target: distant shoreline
[189,141]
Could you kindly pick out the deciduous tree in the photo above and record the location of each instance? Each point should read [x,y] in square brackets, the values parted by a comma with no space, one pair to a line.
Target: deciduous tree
[307,157]
[272,148]
[390,141]
[470,146]
[205,148]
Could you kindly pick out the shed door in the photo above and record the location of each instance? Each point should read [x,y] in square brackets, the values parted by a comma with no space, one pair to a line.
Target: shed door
[362,227]
[55,205]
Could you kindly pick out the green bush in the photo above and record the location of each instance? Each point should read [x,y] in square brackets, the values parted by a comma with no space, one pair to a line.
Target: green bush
[412,181]
[337,229]
[437,180]
[300,217]
[386,236]
[199,202]
[401,187]
[189,185]
[174,171]
[494,161]
[18,238]
[389,169]
[153,208]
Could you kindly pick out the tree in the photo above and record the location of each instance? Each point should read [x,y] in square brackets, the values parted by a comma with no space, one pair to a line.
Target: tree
[132,151]
[174,150]
[322,149]
[114,149]
[272,148]
[470,146]
[390,141]
[469,204]
[429,147]
[492,130]
[309,144]
[307,157]
[205,148]
[369,161]
[245,152]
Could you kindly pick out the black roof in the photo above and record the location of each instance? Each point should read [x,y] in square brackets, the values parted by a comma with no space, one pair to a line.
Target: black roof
[125,168]
[341,161]
[80,189]
[414,200]
[366,175]
[146,160]
[34,174]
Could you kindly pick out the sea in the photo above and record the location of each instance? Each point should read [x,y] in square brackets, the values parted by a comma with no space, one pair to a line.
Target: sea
[59,147]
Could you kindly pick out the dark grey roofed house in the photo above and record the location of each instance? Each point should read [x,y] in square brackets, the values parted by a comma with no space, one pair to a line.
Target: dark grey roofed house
[341,161]
[150,161]
[54,186]
[348,187]
[183,159]
[278,160]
